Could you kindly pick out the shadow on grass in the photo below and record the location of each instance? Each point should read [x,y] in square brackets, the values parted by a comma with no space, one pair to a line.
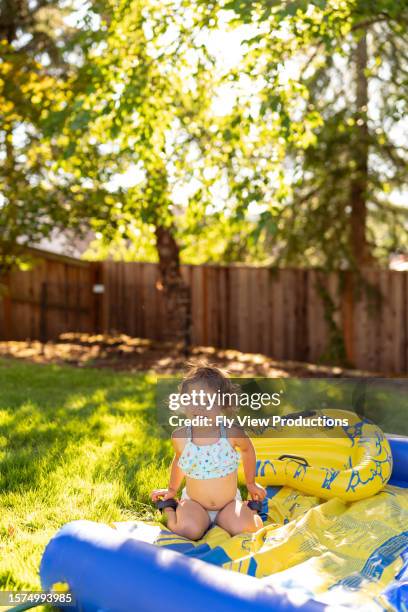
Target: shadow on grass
[50,414]
[73,444]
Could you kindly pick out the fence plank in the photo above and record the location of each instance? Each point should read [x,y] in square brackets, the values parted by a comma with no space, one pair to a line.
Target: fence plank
[234,308]
[397,298]
[198,306]
[244,310]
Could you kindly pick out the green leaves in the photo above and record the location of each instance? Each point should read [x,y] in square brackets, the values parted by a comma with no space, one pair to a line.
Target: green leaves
[256,157]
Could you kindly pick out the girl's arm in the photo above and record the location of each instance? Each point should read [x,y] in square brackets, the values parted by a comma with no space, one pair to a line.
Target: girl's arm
[176,477]
[248,456]
[176,473]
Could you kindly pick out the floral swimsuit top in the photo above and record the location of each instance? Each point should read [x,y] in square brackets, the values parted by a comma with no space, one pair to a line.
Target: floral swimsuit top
[210,460]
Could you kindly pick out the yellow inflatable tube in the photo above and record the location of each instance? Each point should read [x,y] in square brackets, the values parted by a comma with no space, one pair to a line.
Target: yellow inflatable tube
[351,461]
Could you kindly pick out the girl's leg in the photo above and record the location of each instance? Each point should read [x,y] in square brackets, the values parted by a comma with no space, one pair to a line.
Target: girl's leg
[236,517]
[189,519]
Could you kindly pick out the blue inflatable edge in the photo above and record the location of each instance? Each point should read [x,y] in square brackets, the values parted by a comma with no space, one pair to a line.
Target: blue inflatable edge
[396,593]
[399,450]
[108,572]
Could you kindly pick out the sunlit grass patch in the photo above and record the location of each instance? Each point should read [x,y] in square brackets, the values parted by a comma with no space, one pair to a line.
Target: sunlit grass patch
[74,443]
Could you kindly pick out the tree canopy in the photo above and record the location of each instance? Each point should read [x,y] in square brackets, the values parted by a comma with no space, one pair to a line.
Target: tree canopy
[125,118]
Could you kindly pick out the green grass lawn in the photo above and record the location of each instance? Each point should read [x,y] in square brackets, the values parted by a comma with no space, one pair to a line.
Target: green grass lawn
[74,443]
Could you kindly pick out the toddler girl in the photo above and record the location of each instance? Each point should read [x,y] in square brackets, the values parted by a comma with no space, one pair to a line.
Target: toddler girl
[211,494]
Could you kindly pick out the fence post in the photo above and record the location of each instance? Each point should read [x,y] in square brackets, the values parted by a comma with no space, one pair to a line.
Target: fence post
[97,278]
[43,312]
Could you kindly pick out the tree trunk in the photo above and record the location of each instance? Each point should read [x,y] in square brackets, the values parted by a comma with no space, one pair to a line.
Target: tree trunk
[359,246]
[177,298]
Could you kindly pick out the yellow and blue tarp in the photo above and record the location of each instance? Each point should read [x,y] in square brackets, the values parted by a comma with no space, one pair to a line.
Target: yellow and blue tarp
[332,551]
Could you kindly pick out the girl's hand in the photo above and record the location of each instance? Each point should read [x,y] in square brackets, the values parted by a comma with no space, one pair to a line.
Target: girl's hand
[256,491]
[163,494]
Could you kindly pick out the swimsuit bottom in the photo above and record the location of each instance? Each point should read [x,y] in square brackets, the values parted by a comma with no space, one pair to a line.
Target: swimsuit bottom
[211,513]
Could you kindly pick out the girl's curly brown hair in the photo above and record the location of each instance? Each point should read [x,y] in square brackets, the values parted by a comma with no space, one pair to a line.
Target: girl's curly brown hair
[214,379]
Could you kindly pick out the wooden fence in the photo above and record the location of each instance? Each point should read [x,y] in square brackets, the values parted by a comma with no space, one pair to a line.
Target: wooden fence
[296,314]
[54,296]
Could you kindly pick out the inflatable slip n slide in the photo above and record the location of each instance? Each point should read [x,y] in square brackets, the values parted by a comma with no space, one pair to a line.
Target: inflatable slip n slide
[335,536]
